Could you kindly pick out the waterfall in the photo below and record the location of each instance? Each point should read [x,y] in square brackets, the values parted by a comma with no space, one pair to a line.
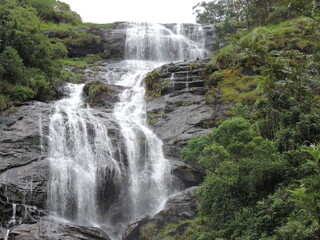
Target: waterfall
[79,153]
[82,155]
[155,42]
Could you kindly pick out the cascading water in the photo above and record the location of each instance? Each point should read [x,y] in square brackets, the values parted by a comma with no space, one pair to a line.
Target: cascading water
[81,153]
[80,157]
[149,177]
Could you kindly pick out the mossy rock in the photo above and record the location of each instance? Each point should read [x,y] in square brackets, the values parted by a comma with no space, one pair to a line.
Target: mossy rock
[155,87]
[212,96]
[96,92]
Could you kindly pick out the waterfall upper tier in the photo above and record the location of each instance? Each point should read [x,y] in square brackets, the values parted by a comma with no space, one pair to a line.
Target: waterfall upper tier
[156,42]
[113,40]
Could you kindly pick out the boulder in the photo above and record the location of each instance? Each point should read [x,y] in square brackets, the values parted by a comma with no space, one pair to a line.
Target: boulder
[189,175]
[45,230]
[179,207]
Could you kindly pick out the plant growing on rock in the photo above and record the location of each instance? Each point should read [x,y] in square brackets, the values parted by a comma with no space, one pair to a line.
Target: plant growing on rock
[154,85]
[94,90]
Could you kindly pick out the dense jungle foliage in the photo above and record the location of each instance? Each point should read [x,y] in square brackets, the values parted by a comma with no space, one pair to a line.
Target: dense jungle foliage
[31,63]
[262,164]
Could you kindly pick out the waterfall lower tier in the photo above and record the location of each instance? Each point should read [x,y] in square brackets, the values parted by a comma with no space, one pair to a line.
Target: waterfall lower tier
[80,157]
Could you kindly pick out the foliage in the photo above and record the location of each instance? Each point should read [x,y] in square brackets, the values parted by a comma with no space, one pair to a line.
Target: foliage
[154,86]
[147,231]
[94,89]
[31,63]
[254,12]
[262,166]
[194,148]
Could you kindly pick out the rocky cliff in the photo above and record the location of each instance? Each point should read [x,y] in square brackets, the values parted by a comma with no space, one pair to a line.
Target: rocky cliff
[177,114]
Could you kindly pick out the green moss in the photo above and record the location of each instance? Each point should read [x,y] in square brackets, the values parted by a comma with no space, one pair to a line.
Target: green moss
[147,231]
[94,90]
[225,57]
[12,109]
[240,88]
[212,96]
[193,66]
[154,85]
[294,34]
[153,118]
[297,34]
[214,79]
[4,102]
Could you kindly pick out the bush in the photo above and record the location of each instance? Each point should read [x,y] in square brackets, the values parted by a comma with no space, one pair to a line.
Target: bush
[58,50]
[154,86]
[21,93]
[4,102]
[147,231]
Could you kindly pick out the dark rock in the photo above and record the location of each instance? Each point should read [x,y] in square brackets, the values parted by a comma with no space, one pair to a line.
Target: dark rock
[182,112]
[26,184]
[15,214]
[107,96]
[132,232]
[180,206]
[23,172]
[20,135]
[62,90]
[46,230]
[189,176]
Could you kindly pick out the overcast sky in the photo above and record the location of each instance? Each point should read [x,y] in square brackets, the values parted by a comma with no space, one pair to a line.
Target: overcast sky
[156,11]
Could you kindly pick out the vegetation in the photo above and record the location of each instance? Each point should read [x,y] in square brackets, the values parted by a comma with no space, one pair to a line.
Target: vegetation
[262,164]
[36,37]
[94,89]
[154,85]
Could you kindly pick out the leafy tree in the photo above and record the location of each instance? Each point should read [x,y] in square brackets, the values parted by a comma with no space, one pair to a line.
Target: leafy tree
[12,67]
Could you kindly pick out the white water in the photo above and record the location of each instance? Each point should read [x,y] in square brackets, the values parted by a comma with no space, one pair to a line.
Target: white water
[148,170]
[80,151]
[6,237]
[149,173]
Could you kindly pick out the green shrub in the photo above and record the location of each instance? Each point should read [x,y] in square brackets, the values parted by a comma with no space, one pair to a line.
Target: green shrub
[94,90]
[147,232]
[212,96]
[58,50]
[21,93]
[215,78]
[154,85]
[4,102]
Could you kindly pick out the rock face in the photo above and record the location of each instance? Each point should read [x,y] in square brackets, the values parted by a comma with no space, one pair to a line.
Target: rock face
[24,174]
[46,230]
[23,170]
[181,206]
[182,111]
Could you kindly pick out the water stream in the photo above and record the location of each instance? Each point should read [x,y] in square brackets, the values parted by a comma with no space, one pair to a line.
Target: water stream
[80,149]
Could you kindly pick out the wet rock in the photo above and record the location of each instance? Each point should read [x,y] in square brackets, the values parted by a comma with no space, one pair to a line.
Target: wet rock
[100,94]
[132,232]
[181,206]
[62,90]
[182,111]
[46,230]
[15,214]
[190,176]
[23,172]
[26,184]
